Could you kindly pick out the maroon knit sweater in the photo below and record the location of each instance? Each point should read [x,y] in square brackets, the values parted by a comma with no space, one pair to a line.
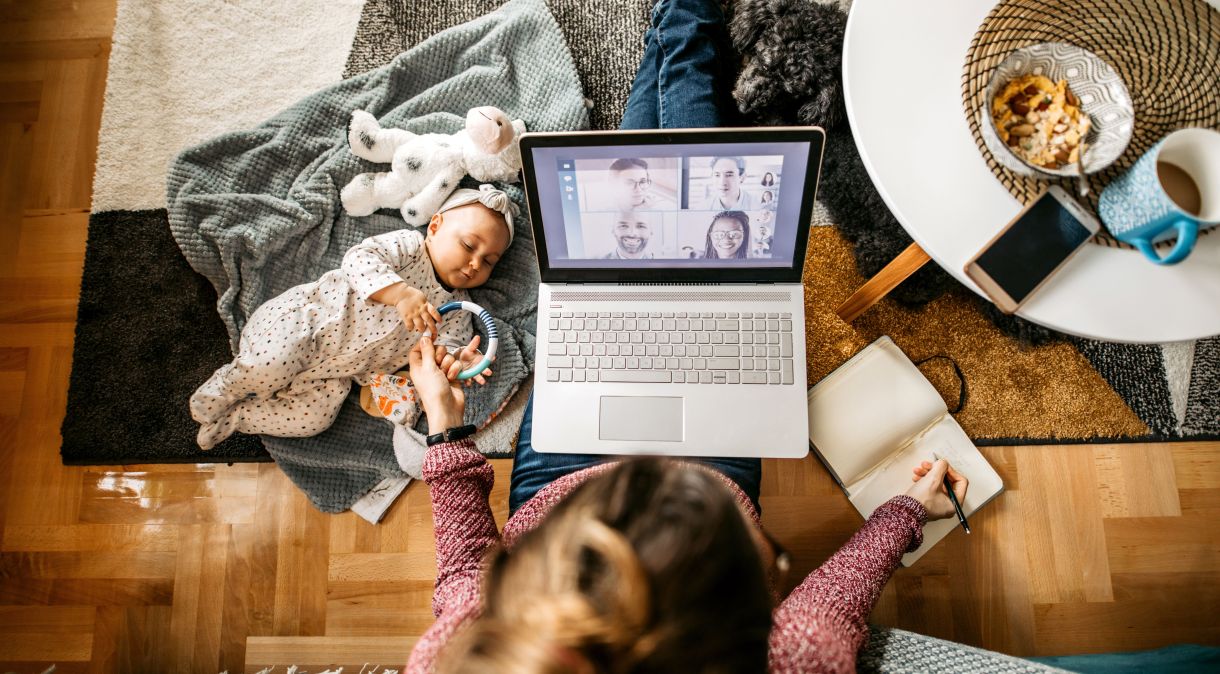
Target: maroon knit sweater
[819,627]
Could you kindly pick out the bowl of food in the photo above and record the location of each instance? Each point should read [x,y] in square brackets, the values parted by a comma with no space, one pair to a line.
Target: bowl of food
[1049,103]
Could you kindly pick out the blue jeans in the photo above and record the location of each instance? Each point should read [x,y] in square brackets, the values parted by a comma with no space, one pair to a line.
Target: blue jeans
[682,83]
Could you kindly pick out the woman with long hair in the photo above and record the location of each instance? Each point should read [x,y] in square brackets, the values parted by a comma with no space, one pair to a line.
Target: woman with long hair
[728,237]
[638,565]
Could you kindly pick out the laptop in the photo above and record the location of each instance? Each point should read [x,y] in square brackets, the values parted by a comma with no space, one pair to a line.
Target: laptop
[670,309]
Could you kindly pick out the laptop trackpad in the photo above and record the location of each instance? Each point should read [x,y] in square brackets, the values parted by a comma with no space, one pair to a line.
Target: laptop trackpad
[649,418]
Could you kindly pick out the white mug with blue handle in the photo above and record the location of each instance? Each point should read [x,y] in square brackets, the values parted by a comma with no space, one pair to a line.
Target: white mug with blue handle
[1171,191]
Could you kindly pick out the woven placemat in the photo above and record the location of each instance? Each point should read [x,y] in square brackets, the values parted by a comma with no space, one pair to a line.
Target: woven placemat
[1166,51]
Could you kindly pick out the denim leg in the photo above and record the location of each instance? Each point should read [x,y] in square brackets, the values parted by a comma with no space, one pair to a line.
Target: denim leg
[682,82]
[643,104]
[693,81]
[534,470]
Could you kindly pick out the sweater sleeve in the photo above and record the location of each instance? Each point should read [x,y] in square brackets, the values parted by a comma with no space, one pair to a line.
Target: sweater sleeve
[375,263]
[822,625]
[460,479]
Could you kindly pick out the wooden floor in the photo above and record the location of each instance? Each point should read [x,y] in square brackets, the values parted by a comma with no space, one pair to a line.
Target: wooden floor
[209,568]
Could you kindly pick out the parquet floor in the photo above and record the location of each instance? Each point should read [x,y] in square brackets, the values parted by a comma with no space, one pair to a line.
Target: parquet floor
[208,568]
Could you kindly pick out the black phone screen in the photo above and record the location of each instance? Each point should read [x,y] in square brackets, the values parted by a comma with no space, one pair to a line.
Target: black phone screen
[1033,247]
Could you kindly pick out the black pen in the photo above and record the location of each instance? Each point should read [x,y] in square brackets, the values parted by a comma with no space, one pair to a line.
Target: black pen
[957,506]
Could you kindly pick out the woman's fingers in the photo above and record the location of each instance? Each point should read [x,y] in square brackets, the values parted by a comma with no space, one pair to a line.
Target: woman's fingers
[959,482]
[436,315]
[426,351]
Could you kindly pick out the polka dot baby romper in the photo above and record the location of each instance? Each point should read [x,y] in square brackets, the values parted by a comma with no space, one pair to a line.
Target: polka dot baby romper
[300,351]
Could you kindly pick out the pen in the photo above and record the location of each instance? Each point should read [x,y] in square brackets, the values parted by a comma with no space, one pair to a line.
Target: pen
[957,506]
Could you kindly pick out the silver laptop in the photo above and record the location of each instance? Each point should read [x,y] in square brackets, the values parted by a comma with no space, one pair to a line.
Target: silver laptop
[671,311]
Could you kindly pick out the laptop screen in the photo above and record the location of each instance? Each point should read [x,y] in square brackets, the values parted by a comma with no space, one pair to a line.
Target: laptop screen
[648,208]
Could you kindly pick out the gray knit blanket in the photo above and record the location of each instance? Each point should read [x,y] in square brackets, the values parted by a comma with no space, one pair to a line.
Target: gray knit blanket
[258,211]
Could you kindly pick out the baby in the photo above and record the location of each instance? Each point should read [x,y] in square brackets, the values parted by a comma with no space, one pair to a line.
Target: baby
[300,351]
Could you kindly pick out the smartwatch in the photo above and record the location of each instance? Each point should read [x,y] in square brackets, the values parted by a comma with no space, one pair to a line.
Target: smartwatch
[451,435]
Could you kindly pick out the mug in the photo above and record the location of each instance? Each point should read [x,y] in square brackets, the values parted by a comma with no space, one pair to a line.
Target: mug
[1171,191]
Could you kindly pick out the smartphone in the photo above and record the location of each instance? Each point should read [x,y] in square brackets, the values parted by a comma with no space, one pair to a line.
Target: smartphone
[1031,248]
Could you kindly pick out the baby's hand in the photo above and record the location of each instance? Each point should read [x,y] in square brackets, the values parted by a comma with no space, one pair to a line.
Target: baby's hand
[417,312]
[453,365]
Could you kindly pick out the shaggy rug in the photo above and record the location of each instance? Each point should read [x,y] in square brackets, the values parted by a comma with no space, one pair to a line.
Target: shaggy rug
[179,75]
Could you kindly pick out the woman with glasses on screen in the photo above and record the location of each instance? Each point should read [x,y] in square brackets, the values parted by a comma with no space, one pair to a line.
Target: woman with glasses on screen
[728,237]
[644,565]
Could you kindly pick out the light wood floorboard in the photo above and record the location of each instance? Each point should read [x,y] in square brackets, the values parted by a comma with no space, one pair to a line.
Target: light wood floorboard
[207,568]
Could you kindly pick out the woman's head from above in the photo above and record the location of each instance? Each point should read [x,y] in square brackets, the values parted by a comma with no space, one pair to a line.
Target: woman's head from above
[653,566]
[469,234]
[728,236]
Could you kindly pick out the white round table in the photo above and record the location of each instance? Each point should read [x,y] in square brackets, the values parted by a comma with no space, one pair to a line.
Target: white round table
[902,69]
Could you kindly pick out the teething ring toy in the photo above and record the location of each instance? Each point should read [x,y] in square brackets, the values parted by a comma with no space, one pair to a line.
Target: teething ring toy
[489,326]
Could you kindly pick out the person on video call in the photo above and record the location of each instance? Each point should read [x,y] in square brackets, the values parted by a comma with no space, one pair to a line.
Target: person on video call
[728,237]
[727,195]
[768,179]
[632,187]
[632,230]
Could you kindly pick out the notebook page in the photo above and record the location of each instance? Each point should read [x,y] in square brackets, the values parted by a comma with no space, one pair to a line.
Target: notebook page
[867,408]
[947,440]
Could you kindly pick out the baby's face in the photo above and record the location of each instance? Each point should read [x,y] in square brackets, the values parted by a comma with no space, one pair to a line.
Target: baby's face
[464,244]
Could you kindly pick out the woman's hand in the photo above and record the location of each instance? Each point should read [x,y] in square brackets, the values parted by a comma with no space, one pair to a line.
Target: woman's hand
[442,400]
[469,356]
[929,488]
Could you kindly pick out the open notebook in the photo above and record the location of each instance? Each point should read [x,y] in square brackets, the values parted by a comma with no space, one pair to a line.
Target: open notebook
[875,418]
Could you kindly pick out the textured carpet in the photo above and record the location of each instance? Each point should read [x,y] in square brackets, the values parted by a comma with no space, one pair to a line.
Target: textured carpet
[147,332]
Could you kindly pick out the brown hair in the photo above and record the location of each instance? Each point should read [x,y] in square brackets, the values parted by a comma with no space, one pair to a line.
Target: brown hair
[648,568]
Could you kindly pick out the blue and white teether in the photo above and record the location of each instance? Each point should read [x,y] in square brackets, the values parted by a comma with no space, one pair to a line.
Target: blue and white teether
[489,326]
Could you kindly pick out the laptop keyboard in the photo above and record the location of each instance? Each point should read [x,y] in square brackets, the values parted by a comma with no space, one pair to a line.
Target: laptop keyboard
[670,347]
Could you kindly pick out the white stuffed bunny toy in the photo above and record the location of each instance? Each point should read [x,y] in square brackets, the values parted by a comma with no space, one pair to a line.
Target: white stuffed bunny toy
[426,168]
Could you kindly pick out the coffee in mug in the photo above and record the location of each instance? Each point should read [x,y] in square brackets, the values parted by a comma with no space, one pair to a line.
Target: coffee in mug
[1172,191]
[1179,187]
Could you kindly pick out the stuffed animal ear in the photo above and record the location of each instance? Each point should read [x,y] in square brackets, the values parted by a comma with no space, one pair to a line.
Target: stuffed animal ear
[489,128]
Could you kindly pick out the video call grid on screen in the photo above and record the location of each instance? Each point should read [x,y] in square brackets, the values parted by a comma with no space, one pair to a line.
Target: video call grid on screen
[667,206]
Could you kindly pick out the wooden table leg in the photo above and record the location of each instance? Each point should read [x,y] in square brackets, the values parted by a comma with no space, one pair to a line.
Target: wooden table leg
[908,262]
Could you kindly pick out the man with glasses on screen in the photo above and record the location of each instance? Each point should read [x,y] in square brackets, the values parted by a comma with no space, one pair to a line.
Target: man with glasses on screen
[632,231]
[632,186]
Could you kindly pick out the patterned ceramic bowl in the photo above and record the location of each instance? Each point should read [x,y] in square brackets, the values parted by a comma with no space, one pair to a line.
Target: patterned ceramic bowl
[1103,97]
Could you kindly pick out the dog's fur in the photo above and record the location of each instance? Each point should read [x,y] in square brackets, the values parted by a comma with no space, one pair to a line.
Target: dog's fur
[792,54]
